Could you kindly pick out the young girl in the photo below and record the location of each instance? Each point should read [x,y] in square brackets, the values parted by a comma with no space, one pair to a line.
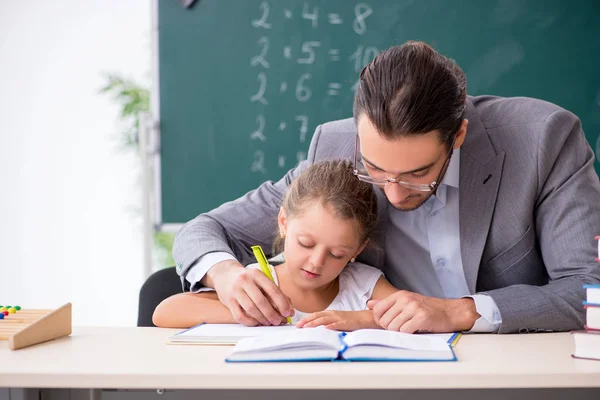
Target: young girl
[324,222]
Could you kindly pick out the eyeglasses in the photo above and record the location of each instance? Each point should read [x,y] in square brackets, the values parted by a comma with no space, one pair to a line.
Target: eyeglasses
[364,176]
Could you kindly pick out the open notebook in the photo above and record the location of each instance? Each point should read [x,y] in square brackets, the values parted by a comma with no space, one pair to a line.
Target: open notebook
[320,344]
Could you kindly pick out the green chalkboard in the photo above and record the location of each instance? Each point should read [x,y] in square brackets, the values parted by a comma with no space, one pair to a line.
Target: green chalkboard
[244,83]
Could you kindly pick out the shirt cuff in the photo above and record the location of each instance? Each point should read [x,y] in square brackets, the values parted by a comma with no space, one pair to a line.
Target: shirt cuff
[490,318]
[201,267]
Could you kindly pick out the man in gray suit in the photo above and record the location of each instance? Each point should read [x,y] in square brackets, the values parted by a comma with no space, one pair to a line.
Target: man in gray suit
[488,207]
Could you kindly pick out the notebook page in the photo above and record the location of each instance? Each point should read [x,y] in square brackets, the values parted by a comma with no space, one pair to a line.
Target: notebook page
[380,353]
[306,338]
[395,339]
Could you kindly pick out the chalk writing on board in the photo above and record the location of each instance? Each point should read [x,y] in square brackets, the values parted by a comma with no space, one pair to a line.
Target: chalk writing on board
[308,48]
[258,133]
[262,22]
[303,92]
[309,54]
[259,96]
[260,59]
[312,15]
[334,54]
[359,24]
[303,126]
[258,165]
[333,88]
[335,19]
[362,56]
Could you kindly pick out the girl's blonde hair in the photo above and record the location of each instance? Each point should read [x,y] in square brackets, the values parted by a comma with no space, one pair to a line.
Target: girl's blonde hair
[333,184]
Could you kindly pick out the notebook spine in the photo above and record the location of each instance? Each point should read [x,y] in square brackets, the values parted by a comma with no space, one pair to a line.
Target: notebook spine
[343,344]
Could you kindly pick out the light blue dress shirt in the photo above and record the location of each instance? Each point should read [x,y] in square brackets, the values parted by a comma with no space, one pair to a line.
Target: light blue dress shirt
[428,240]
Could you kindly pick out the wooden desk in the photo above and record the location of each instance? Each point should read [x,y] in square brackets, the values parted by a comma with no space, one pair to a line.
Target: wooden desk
[138,358]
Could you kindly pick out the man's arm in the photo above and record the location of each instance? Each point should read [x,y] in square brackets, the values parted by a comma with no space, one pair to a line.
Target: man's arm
[567,218]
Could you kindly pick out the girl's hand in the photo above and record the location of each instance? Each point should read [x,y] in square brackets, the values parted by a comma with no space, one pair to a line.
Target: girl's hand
[339,320]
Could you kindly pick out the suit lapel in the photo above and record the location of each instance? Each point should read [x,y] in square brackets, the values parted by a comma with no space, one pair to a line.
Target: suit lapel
[480,173]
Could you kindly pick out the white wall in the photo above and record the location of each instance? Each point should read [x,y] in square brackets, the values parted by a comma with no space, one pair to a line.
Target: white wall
[69,229]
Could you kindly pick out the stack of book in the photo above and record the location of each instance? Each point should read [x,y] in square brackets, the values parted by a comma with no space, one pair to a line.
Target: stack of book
[587,342]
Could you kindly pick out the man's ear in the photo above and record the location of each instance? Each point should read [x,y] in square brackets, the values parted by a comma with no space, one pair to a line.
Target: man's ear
[282,222]
[361,248]
[461,134]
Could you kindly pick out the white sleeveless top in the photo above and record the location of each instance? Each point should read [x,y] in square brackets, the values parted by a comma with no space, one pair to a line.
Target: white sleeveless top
[357,282]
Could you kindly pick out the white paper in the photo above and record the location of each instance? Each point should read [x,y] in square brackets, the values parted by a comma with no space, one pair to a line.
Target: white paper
[397,340]
[305,338]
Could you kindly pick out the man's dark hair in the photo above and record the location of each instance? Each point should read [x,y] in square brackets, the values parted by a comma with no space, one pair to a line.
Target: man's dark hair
[412,89]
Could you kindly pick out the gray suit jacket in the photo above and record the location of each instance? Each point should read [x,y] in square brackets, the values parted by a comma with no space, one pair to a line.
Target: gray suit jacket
[529,211]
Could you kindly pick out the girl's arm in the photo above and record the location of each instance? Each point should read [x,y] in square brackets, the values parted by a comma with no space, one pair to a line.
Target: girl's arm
[350,320]
[383,288]
[185,310]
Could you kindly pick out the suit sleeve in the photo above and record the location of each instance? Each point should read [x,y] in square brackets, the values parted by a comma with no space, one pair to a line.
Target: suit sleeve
[567,218]
[236,225]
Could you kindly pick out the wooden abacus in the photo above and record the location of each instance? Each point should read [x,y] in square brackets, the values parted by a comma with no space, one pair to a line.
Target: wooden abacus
[25,327]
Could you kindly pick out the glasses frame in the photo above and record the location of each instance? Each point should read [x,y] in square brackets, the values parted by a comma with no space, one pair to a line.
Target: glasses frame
[422,187]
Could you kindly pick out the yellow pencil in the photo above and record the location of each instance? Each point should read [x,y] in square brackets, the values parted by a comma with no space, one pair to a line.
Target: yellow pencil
[264,267]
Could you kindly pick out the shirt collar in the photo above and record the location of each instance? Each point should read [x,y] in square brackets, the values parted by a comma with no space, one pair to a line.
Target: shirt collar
[451,178]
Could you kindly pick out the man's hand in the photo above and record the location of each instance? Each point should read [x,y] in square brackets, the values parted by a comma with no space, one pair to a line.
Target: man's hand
[339,320]
[252,298]
[411,312]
